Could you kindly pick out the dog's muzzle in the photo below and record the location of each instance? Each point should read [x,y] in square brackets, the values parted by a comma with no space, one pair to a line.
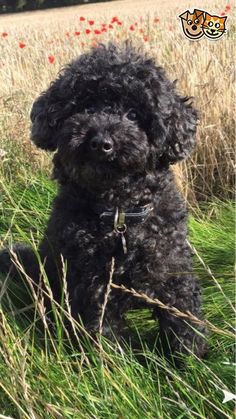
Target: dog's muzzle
[101,145]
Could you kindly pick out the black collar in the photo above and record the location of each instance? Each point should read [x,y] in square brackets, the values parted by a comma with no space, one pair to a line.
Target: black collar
[121,218]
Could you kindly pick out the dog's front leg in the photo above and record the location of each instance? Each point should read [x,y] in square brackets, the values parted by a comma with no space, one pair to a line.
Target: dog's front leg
[182,334]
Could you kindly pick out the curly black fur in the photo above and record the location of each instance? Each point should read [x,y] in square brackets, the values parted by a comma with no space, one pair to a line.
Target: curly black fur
[117,123]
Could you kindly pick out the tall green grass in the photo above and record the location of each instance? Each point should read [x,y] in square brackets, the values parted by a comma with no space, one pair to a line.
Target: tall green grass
[44,376]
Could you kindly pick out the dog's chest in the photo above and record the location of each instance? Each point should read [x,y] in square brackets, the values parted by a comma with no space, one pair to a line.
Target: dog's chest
[90,247]
[95,238]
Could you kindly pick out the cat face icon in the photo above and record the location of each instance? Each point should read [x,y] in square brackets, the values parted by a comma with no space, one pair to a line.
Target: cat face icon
[214,26]
[192,23]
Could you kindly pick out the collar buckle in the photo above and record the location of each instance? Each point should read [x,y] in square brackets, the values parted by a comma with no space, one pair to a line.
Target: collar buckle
[120,227]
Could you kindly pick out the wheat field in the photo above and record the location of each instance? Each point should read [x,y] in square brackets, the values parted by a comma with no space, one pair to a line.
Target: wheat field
[35,45]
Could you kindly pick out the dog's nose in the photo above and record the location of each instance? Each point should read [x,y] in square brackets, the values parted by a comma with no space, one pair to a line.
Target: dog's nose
[194,27]
[101,145]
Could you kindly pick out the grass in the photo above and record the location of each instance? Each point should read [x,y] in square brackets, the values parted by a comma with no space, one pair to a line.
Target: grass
[44,377]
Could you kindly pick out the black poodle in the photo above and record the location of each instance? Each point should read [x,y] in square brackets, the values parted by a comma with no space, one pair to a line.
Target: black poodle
[116,124]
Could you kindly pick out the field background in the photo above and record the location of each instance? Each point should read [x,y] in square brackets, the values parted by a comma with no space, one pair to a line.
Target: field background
[204,69]
[46,380]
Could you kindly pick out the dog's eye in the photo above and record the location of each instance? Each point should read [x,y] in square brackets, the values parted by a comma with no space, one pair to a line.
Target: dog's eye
[189,22]
[132,115]
[210,24]
[217,25]
[196,21]
[91,110]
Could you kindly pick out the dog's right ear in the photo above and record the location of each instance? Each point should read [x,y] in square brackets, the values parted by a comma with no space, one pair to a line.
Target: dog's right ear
[42,130]
[50,110]
[184,15]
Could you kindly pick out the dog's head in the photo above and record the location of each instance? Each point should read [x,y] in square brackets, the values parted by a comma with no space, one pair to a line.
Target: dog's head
[192,23]
[111,113]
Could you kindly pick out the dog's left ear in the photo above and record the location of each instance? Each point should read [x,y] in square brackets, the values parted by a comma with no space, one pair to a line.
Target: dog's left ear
[181,129]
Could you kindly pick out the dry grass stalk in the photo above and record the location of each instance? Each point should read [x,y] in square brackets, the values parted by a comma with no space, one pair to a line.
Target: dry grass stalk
[175,311]
[106,296]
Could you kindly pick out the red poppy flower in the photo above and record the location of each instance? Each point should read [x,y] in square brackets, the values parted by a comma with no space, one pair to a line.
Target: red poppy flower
[145,38]
[87,31]
[91,22]
[119,23]
[156,20]
[67,34]
[103,25]
[82,19]
[222,14]
[227,7]
[4,34]
[110,26]
[97,32]
[77,33]
[114,19]
[103,30]
[132,28]
[51,59]
[141,30]
[22,45]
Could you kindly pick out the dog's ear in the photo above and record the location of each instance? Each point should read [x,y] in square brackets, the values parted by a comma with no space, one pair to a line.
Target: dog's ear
[50,109]
[43,127]
[181,130]
[198,13]
[173,121]
[184,15]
